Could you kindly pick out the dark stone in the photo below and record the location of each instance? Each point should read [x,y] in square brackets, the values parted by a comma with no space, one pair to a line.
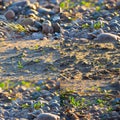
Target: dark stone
[38,25]
[45,11]
[56,27]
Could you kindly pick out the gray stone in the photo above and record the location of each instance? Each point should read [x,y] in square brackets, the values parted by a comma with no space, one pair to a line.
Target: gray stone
[10,14]
[21,3]
[45,93]
[40,82]
[37,35]
[37,112]
[118,5]
[47,27]
[54,104]
[42,10]
[26,21]
[38,25]
[56,27]
[48,116]
[107,38]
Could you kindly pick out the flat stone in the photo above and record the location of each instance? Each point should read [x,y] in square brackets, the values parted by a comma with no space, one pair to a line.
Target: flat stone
[42,10]
[20,3]
[107,38]
[48,116]
[27,21]
[37,35]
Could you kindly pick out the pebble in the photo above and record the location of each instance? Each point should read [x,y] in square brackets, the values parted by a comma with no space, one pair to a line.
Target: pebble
[18,6]
[54,1]
[26,21]
[10,14]
[116,101]
[48,116]
[38,25]
[37,36]
[40,82]
[118,5]
[107,38]
[37,112]
[45,93]
[47,27]
[45,11]
[56,27]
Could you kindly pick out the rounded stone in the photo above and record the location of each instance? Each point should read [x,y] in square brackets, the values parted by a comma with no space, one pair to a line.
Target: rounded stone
[27,21]
[47,27]
[10,14]
[107,38]
[48,116]
[37,36]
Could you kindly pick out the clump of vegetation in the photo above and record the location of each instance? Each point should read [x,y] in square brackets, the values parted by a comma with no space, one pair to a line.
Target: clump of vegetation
[38,105]
[68,96]
[87,3]
[26,105]
[98,25]
[77,103]
[16,27]
[20,66]
[67,4]
[85,26]
[7,84]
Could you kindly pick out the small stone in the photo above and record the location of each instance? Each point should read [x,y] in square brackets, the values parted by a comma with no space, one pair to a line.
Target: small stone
[57,85]
[97,32]
[46,108]
[107,38]
[45,93]
[31,12]
[40,82]
[47,27]
[48,98]
[45,11]
[48,116]
[38,25]
[56,27]
[37,36]
[114,113]
[31,116]
[37,112]
[54,1]
[118,5]
[22,33]
[115,24]
[56,18]
[6,113]
[35,95]
[27,21]
[21,3]
[54,104]
[116,100]
[10,14]
[2,17]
